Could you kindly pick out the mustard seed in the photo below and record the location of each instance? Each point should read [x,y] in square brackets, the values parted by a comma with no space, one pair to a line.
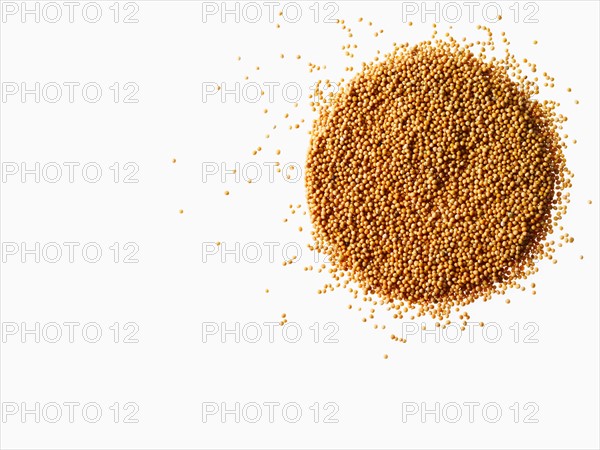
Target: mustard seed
[434,176]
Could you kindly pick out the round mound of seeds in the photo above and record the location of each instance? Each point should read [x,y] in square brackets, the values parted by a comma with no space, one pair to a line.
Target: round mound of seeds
[434,176]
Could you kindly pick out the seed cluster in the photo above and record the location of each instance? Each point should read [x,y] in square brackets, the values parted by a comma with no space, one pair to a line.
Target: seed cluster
[433,177]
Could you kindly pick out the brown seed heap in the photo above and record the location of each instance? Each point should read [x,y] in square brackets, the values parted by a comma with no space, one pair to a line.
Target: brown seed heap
[433,177]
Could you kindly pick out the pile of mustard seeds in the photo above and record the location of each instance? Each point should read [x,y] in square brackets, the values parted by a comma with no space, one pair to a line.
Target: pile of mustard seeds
[434,176]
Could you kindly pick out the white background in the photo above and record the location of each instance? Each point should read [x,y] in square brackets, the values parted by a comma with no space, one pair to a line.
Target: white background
[171,291]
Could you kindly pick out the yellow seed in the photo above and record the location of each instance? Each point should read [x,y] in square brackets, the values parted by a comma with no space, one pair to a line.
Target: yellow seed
[410,184]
